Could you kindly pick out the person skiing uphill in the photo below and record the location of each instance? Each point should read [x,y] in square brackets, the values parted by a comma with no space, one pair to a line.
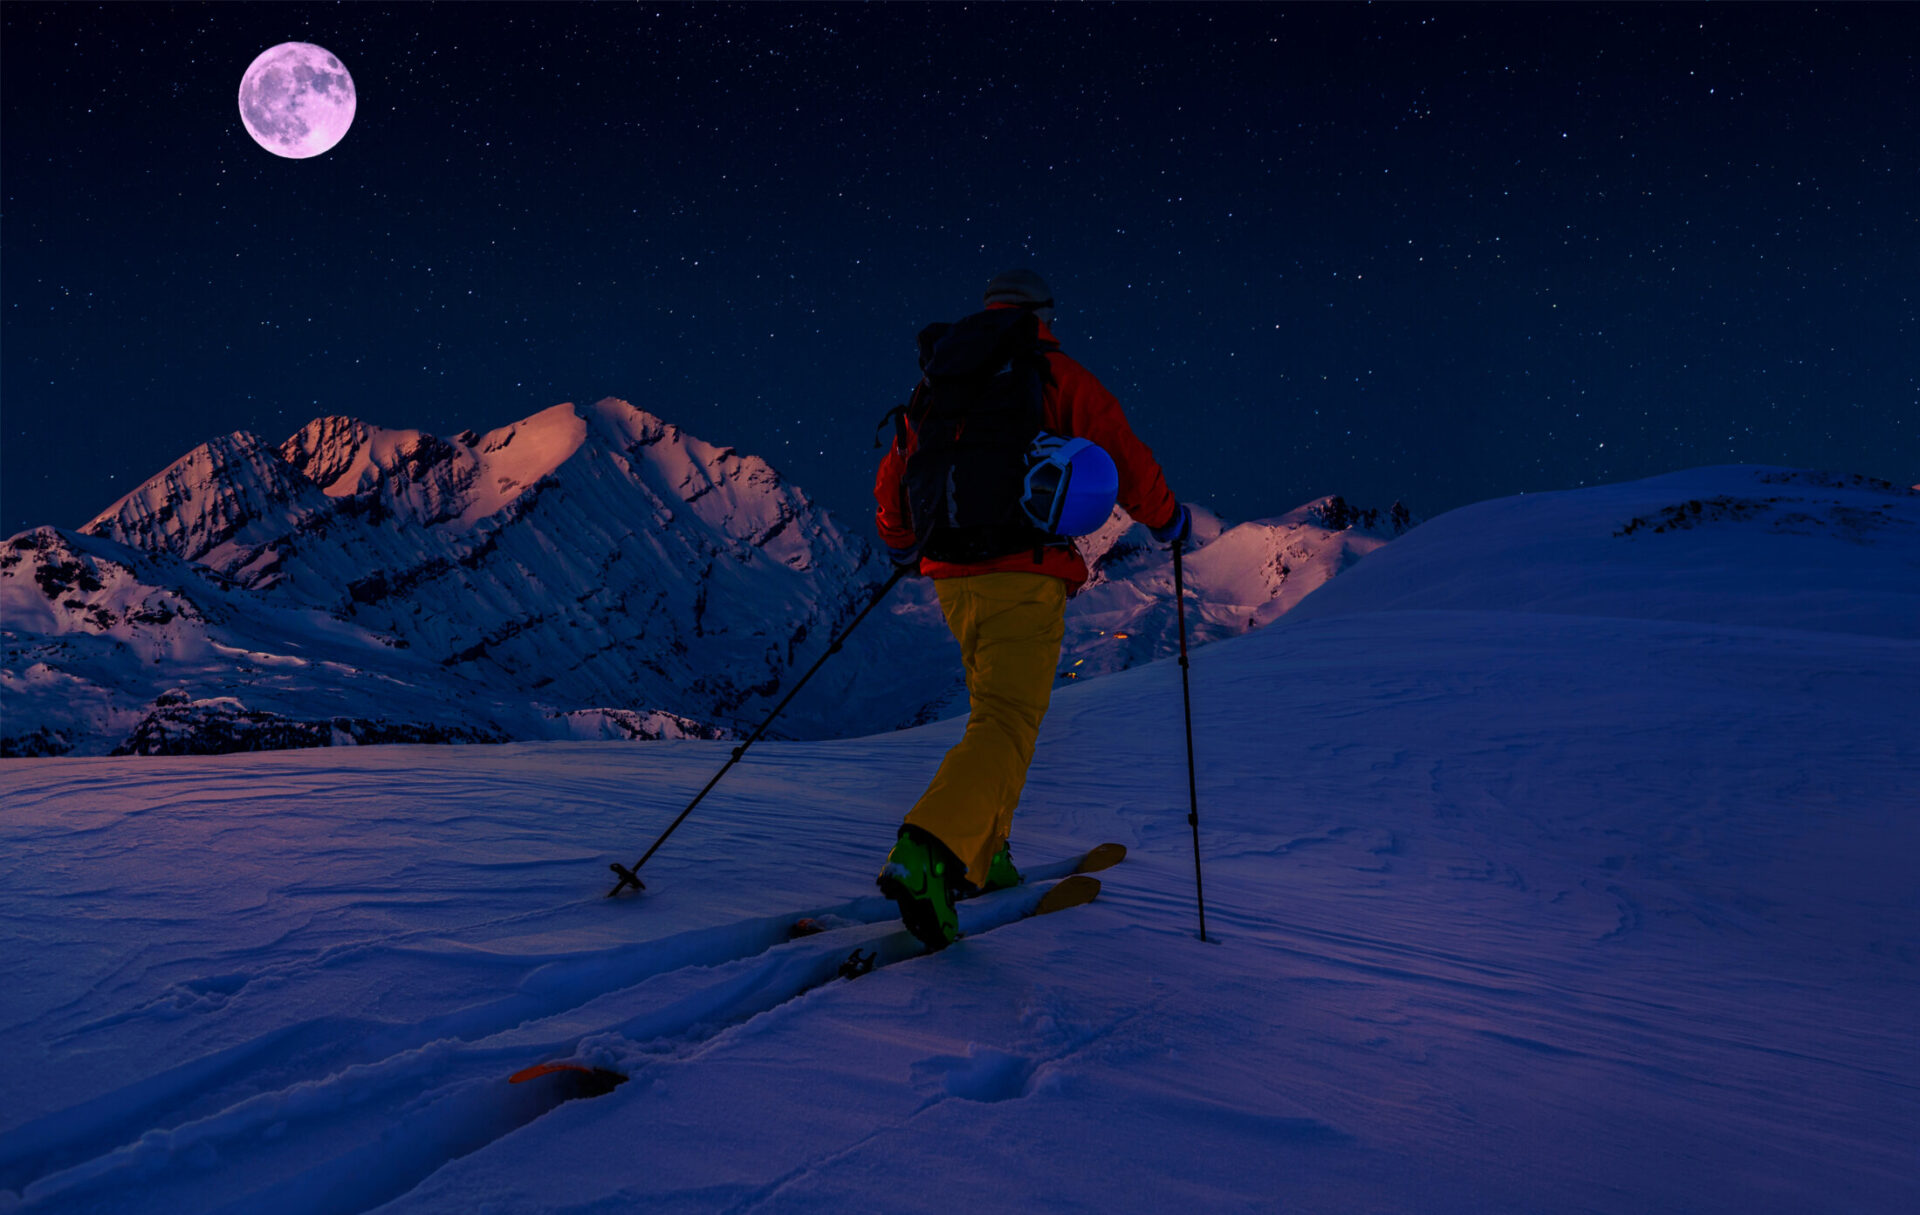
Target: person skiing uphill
[1002,586]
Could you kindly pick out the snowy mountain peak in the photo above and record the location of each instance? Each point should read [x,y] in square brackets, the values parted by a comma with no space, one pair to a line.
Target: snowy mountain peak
[514,458]
[231,492]
[581,557]
[472,477]
[420,476]
[624,425]
[327,450]
[1239,578]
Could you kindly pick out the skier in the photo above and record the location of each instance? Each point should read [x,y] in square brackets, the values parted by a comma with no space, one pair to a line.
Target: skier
[1007,610]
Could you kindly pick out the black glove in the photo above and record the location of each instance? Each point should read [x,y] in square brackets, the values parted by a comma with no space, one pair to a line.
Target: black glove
[906,557]
[1175,530]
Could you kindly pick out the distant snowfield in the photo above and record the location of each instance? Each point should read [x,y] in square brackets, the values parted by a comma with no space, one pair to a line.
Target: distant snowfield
[1556,862]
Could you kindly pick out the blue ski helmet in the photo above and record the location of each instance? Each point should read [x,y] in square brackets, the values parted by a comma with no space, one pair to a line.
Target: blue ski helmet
[1071,485]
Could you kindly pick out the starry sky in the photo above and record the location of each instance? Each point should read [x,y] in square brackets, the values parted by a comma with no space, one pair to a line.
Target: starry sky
[1435,253]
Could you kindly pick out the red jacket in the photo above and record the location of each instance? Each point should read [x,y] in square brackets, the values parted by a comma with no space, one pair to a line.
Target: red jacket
[1078,406]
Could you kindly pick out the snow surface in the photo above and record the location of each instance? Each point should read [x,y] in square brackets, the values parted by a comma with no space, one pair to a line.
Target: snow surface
[1553,863]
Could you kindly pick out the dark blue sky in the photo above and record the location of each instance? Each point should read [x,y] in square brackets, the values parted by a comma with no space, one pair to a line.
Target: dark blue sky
[1437,253]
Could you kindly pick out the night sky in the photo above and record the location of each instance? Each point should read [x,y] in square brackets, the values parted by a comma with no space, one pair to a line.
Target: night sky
[1434,253]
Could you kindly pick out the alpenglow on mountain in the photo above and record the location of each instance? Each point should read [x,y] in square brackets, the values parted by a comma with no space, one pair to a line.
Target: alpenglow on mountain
[583,573]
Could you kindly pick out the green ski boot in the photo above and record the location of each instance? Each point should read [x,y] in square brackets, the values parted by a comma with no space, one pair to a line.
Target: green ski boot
[919,876]
[1001,875]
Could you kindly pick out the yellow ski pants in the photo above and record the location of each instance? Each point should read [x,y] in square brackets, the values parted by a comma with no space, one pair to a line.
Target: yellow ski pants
[1009,627]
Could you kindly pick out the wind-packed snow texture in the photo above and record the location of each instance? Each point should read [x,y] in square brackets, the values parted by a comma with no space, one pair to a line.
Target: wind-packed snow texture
[584,573]
[1560,857]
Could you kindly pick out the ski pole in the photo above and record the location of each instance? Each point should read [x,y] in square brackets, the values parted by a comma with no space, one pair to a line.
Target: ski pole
[1186,699]
[631,876]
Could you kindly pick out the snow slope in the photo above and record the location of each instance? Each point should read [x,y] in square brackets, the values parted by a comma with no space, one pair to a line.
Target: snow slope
[1238,578]
[1548,868]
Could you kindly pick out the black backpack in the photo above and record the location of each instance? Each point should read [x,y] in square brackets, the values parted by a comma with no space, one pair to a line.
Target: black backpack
[980,404]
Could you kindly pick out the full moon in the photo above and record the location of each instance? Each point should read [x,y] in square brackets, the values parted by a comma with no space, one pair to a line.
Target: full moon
[297,100]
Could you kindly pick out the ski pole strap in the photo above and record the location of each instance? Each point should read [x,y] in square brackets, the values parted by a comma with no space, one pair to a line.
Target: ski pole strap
[631,876]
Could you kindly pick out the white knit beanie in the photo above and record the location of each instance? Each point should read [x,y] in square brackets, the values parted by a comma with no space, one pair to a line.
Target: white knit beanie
[1024,287]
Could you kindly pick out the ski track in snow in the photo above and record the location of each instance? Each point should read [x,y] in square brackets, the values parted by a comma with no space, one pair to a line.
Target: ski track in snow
[678,990]
[1513,910]
[366,1073]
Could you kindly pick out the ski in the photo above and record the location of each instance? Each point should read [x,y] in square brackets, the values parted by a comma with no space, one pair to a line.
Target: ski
[876,947]
[1073,890]
[1100,856]
[1093,860]
[1070,891]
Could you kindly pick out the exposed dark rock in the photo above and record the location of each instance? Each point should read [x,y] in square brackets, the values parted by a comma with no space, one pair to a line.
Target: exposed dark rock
[35,744]
[221,727]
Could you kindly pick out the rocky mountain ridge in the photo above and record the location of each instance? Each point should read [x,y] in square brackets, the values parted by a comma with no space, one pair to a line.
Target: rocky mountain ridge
[586,572]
